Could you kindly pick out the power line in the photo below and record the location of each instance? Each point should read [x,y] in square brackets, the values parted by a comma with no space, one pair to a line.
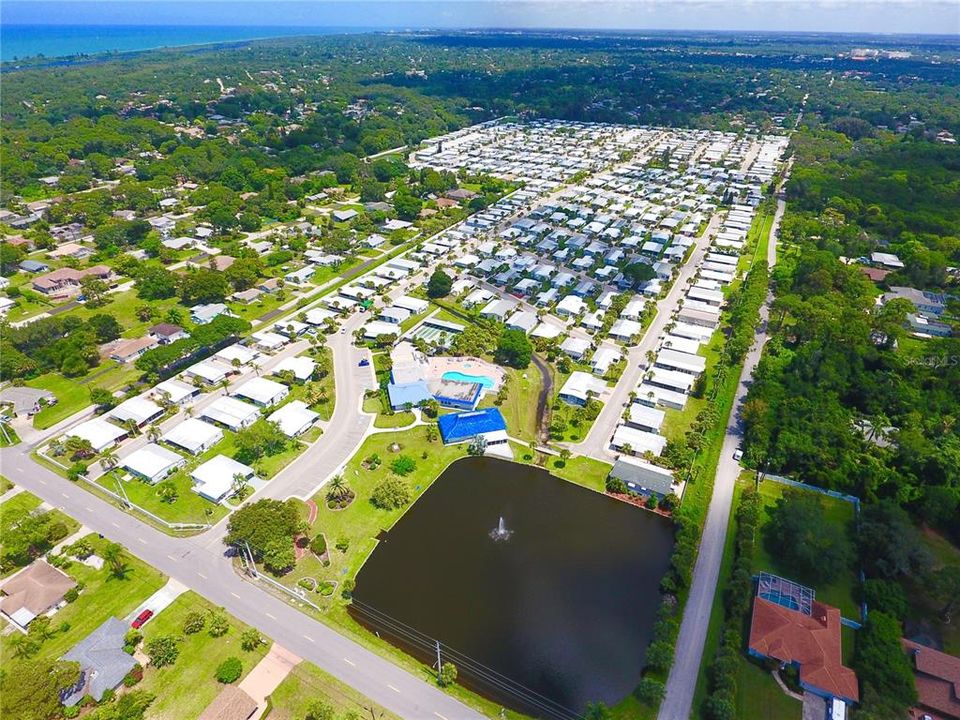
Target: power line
[479,671]
[484,675]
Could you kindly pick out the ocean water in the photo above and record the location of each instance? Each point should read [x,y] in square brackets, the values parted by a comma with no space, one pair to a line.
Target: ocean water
[22,41]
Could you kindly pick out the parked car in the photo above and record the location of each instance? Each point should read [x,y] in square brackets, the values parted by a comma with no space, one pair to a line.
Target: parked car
[737,454]
[141,619]
[364,362]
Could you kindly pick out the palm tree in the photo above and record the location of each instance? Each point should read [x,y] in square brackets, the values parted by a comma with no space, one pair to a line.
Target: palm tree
[113,556]
[131,427]
[339,490]
[153,432]
[239,483]
[109,459]
[188,411]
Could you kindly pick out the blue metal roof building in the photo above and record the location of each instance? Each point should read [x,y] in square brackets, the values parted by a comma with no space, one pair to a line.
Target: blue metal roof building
[458,427]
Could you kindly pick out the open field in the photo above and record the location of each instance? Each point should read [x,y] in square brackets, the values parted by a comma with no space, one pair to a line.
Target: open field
[73,394]
[520,407]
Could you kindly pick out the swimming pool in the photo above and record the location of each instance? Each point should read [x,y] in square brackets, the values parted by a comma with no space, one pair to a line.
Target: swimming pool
[457,376]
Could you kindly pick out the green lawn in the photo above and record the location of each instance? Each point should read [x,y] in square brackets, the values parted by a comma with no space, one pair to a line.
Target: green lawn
[123,306]
[306,683]
[578,424]
[73,394]
[583,471]
[327,382]
[104,596]
[361,522]
[185,688]
[759,695]
[520,407]
[5,485]
[840,593]
[396,420]
[384,419]
[8,436]
[189,507]
[261,306]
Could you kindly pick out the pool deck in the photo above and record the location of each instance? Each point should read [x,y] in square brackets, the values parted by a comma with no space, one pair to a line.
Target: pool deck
[438,366]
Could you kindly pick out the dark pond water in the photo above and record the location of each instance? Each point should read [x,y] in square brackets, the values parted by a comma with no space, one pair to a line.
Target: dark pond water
[554,617]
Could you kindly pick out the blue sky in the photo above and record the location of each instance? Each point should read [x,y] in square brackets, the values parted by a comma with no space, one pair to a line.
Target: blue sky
[879,16]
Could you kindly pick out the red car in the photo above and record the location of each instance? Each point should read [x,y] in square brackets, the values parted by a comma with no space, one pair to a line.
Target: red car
[141,619]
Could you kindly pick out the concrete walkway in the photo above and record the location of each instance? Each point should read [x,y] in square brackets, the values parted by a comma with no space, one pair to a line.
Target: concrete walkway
[267,675]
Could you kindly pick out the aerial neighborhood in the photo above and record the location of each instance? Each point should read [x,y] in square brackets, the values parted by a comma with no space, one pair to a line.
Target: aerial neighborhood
[331,389]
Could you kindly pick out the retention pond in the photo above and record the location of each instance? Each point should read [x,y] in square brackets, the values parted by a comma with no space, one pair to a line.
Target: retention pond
[543,612]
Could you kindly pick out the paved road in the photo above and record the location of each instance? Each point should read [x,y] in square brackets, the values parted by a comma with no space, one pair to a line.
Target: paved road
[682,682]
[201,563]
[597,442]
[205,568]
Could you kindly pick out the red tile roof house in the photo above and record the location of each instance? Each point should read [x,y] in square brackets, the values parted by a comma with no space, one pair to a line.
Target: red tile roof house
[65,282]
[810,643]
[938,682]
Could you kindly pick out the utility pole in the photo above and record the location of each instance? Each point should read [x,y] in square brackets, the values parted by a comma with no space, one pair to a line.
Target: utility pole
[438,661]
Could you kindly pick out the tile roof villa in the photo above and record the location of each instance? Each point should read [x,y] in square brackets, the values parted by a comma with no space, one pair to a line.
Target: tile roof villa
[805,634]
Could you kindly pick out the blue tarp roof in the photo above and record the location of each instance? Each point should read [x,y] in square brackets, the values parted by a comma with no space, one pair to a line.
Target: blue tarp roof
[412,393]
[463,426]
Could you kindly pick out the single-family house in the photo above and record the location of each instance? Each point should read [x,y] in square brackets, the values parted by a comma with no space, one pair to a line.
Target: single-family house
[294,418]
[153,463]
[804,633]
[100,433]
[217,478]
[202,314]
[103,662]
[232,413]
[643,478]
[166,333]
[138,409]
[580,387]
[261,391]
[34,592]
[193,435]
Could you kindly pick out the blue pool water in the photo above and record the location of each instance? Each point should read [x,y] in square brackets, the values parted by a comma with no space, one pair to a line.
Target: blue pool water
[457,376]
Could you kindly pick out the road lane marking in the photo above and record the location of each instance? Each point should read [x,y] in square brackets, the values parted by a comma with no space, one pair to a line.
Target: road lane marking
[309,638]
[115,524]
[140,539]
[172,557]
[350,662]
[89,509]
[272,617]
[235,595]
[392,688]
[202,575]
[65,495]
[439,715]
[42,482]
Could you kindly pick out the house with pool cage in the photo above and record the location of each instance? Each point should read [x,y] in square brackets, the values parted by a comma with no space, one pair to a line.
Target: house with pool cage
[791,627]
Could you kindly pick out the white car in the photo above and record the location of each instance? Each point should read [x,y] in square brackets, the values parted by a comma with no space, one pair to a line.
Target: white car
[737,454]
